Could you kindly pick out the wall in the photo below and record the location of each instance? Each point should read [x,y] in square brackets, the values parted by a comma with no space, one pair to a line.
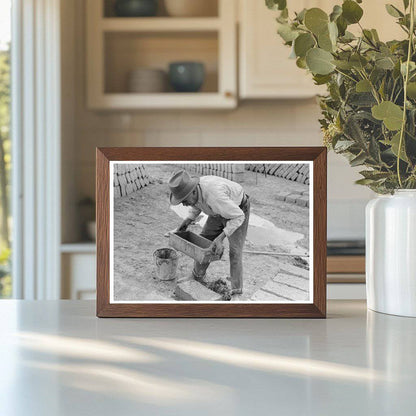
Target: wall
[255,123]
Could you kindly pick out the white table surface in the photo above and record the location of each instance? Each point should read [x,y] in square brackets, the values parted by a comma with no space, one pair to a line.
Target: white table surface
[57,358]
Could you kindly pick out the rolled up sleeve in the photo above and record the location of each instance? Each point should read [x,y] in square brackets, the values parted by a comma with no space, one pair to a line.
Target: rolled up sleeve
[230,211]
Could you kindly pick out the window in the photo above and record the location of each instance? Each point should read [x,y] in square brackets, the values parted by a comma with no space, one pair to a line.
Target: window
[5,145]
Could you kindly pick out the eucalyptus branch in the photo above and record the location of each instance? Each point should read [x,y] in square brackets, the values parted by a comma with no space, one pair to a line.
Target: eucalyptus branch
[397,95]
[369,41]
[406,79]
[373,89]
[392,90]
[345,75]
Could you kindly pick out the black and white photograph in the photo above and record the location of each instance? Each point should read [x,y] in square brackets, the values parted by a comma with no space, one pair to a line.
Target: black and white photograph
[211,232]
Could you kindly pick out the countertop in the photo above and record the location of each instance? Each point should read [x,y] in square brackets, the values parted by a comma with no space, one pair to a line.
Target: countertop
[57,358]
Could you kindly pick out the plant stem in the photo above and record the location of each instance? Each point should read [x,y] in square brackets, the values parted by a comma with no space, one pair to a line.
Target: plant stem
[373,90]
[345,75]
[406,79]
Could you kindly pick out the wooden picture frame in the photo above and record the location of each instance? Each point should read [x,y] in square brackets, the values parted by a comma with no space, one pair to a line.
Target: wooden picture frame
[315,308]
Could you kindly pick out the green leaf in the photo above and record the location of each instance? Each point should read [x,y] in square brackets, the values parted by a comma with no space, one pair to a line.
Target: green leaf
[319,61]
[276,4]
[343,145]
[353,130]
[394,143]
[385,63]
[393,11]
[396,71]
[390,113]
[301,63]
[374,150]
[358,160]
[368,36]
[321,79]
[363,86]
[358,61]
[336,12]
[325,43]
[364,181]
[377,74]
[303,43]
[316,20]
[412,67]
[411,90]
[406,4]
[381,89]
[347,37]
[374,175]
[342,25]
[351,11]
[301,15]
[375,35]
[327,40]
[333,32]
[341,64]
[361,99]
[286,32]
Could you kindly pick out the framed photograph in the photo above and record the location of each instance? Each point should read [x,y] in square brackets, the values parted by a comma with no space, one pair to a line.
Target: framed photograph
[211,232]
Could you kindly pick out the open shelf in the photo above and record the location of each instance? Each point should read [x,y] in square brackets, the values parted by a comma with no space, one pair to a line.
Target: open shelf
[166,101]
[116,46]
[127,51]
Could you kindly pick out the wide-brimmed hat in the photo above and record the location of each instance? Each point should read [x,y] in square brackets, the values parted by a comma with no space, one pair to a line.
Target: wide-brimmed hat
[181,186]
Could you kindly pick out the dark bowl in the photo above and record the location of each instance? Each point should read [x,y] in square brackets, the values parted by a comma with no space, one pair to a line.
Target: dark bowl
[135,8]
[186,76]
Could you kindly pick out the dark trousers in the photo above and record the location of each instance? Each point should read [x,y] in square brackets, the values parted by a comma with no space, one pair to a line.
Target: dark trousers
[212,229]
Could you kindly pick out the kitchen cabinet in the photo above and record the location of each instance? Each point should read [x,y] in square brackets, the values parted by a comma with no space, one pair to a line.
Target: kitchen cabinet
[78,263]
[265,70]
[118,45]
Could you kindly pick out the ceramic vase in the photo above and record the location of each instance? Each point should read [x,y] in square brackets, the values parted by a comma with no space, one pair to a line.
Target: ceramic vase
[391,253]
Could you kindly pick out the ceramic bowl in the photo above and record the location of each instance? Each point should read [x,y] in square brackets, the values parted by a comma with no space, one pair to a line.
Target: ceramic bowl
[147,80]
[186,76]
[135,8]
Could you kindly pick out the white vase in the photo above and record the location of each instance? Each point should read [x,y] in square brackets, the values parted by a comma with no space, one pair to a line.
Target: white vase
[391,253]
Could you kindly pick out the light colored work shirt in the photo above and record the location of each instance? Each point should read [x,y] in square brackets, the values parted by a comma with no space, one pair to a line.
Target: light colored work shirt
[219,197]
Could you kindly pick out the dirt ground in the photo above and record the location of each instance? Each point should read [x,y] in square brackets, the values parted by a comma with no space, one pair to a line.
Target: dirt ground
[142,219]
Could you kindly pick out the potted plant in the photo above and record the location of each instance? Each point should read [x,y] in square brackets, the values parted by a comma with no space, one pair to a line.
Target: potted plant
[368,116]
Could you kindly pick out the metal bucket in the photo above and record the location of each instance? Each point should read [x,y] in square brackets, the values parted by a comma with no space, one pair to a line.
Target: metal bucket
[166,260]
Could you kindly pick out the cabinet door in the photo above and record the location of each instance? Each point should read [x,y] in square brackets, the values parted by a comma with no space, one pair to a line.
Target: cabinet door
[78,276]
[265,68]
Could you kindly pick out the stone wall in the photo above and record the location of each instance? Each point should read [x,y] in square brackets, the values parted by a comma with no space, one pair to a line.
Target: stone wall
[231,171]
[129,178]
[294,172]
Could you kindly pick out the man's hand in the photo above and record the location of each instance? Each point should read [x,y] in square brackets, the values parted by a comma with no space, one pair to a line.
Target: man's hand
[216,246]
[184,225]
